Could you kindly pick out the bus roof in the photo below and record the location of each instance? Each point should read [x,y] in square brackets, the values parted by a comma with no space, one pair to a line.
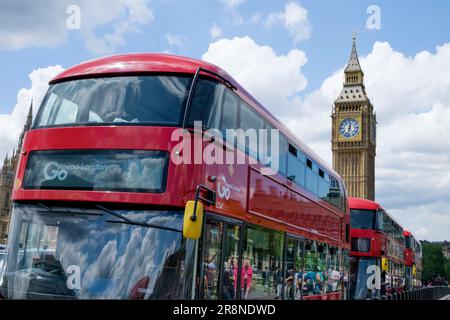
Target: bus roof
[137,63]
[364,204]
[168,63]
[409,234]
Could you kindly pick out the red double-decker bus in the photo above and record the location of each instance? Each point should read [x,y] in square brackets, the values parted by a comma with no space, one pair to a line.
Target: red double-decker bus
[107,203]
[377,262]
[418,265]
[413,261]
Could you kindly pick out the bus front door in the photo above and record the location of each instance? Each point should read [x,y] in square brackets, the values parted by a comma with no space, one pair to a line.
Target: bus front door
[220,259]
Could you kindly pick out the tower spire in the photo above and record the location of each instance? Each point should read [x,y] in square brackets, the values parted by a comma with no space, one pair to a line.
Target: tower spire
[353,63]
[5,164]
[27,126]
[29,117]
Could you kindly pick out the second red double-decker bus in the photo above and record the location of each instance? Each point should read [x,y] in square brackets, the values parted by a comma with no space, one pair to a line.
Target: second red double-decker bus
[377,262]
[107,204]
[413,261]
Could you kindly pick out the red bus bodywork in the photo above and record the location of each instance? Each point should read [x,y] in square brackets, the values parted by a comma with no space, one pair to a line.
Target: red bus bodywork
[409,252]
[273,202]
[413,260]
[376,237]
[292,214]
[382,246]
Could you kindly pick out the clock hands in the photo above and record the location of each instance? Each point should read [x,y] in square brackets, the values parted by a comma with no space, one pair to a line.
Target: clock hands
[349,128]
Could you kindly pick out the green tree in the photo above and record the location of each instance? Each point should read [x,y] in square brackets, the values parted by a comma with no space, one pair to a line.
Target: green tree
[447,270]
[434,261]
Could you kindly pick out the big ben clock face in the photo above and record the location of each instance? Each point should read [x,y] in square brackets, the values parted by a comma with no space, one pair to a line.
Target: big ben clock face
[349,128]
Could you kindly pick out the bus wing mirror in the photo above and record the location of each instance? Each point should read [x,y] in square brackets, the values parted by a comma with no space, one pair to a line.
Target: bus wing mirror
[193,213]
[193,220]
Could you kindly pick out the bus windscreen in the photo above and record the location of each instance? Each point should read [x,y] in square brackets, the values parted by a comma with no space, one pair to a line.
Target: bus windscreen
[132,100]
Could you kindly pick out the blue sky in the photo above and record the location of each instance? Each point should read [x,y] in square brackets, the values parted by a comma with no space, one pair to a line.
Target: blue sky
[289,54]
[410,26]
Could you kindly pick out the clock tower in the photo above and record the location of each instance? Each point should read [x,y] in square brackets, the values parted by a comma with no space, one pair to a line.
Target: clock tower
[354,133]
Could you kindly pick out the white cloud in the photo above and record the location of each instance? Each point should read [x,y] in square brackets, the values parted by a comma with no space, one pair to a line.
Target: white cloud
[215,31]
[255,18]
[231,4]
[430,221]
[261,69]
[231,7]
[25,23]
[411,96]
[124,17]
[176,41]
[11,124]
[294,19]
[30,24]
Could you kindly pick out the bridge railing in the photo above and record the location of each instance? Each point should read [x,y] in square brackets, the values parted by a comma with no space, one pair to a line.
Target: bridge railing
[428,293]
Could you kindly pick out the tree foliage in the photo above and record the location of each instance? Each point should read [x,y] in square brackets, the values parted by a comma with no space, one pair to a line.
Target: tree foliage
[434,262]
[447,269]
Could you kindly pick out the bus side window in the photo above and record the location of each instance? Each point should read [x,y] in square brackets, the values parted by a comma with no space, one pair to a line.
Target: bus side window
[312,177]
[324,185]
[262,274]
[333,273]
[283,155]
[211,260]
[206,104]
[229,113]
[345,272]
[321,275]
[296,166]
[249,120]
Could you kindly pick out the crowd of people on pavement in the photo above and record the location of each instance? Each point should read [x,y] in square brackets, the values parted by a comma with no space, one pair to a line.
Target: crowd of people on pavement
[438,281]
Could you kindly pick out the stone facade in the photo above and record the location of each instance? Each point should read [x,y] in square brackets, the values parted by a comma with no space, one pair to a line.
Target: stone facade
[7,175]
[354,133]
[446,249]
